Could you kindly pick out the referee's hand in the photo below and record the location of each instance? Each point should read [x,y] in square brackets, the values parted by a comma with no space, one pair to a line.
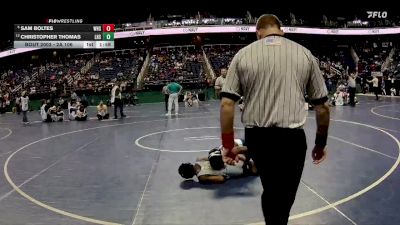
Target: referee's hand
[318,154]
[229,157]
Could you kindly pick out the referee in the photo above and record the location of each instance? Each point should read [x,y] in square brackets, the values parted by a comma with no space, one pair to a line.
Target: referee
[272,74]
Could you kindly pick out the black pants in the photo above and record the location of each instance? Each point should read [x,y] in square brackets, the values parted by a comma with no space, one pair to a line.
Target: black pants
[352,93]
[24,117]
[166,97]
[279,155]
[105,117]
[376,92]
[81,118]
[118,104]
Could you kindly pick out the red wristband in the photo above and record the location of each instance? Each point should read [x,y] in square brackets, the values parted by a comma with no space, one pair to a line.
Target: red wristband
[228,140]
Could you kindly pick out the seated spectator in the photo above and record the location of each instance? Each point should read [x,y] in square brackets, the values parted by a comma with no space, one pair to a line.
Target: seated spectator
[102,112]
[43,112]
[72,108]
[191,100]
[393,91]
[62,103]
[56,113]
[81,114]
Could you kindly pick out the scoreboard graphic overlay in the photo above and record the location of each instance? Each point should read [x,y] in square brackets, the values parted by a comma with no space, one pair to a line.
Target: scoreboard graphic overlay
[67,36]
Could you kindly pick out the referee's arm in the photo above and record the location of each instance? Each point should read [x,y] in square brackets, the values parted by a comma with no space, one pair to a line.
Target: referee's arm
[230,94]
[318,94]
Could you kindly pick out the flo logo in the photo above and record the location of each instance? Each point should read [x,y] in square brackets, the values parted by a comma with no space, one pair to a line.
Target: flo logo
[377,14]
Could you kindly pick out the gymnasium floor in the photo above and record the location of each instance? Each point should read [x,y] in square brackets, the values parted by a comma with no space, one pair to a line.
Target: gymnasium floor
[125,171]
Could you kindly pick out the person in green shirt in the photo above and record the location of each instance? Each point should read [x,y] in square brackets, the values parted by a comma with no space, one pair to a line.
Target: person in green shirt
[173,89]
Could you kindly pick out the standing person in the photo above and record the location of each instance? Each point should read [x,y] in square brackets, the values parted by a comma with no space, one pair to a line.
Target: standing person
[166,96]
[24,107]
[116,99]
[375,86]
[352,88]
[272,74]
[219,83]
[174,89]
[383,86]
[18,104]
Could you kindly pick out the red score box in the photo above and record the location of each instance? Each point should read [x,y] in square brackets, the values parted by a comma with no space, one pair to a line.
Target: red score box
[108,27]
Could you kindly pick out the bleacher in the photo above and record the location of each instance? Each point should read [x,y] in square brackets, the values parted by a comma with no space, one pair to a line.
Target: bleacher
[122,64]
[221,55]
[183,63]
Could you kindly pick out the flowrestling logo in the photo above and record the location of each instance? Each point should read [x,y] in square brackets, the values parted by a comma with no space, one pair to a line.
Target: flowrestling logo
[377,14]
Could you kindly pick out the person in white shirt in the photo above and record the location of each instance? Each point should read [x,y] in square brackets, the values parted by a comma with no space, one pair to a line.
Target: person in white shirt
[102,112]
[393,91]
[81,114]
[352,88]
[206,174]
[375,86]
[191,100]
[219,83]
[43,112]
[72,108]
[24,107]
[116,99]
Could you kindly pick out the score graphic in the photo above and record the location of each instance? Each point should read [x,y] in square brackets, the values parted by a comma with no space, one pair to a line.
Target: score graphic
[108,32]
[108,36]
[69,36]
[108,27]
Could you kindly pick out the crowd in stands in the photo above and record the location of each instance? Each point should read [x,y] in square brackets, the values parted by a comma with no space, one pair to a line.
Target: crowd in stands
[79,72]
[289,19]
[184,64]
[221,55]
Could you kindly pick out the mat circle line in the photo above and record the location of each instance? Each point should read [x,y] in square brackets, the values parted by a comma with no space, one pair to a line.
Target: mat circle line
[137,141]
[56,210]
[87,219]
[381,115]
[7,135]
[357,194]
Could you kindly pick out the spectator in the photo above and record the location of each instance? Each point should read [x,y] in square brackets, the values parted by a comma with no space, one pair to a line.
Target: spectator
[81,114]
[352,88]
[375,86]
[43,112]
[219,83]
[166,96]
[116,99]
[102,112]
[174,89]
[24,107]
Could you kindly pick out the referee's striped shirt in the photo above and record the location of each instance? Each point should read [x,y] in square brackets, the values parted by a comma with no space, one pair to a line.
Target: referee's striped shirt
[273,75]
